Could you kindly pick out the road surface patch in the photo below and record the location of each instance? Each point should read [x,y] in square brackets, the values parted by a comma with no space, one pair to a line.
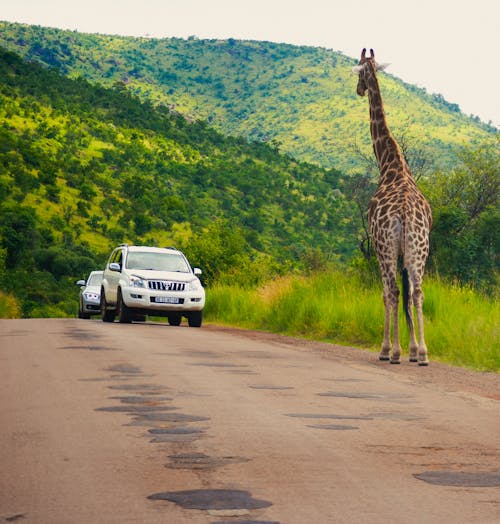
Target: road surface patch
[143,400]
[212,499]
[477,479]
[279,388]
[328,416]
[135,409]
[90,348]
[331,427]
[128,369]
[200,461]
[383,397]
[167,417]
[247,522]
[137,387]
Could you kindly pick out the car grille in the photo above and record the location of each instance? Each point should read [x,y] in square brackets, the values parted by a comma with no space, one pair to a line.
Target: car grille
[166,285]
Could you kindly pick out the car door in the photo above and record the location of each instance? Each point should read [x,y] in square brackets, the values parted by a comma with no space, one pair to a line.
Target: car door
[113,277]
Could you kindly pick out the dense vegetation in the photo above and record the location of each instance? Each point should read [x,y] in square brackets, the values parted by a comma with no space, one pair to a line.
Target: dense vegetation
[302,99]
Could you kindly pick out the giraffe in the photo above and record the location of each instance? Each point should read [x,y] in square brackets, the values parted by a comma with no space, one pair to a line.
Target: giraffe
[399,219]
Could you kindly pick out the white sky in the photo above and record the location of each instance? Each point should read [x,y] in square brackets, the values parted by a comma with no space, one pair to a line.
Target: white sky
[447,46]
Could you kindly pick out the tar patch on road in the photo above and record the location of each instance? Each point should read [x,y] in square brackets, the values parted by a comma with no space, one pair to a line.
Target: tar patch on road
[200,461]
[143,400]
[138,387]
[90,348]
[278,388]
[247,522]
[477,479]
[328,416]
[176,434]
[334,427]
[125,368]
[212,499]
[135,409]
[147,418]
[174,431]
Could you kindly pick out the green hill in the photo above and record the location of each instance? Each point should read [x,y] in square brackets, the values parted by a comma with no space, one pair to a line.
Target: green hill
[302,99]
[83,168]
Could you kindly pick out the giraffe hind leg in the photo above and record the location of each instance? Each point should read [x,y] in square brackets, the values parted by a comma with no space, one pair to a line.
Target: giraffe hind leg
[408,309]
[391,298]
[423,359]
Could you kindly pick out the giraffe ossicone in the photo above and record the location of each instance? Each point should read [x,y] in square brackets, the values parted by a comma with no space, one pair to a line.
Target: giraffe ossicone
[399,219]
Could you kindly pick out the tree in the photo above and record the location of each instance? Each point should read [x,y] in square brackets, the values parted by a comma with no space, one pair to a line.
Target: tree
[465,238]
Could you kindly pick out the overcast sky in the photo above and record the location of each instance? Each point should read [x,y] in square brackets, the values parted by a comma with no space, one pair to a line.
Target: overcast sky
[449,47]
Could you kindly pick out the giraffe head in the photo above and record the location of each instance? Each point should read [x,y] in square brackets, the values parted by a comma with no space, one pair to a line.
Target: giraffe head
[366,67]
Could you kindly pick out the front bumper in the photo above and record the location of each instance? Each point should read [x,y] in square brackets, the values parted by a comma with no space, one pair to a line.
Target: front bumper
[93,307]
[146,299]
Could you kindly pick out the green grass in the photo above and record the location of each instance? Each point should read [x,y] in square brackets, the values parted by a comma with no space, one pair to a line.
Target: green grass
[461,325]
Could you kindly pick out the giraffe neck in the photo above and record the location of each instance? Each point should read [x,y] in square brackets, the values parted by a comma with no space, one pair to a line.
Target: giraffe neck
[387,150]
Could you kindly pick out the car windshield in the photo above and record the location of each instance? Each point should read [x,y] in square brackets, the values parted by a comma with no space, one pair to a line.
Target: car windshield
[95,280]
[157,261]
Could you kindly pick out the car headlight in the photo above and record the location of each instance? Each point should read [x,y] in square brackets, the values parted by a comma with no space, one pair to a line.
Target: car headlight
[195,285]
[136,281]
[92,296]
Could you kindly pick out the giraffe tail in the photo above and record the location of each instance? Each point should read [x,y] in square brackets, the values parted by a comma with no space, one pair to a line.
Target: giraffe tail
[406,298]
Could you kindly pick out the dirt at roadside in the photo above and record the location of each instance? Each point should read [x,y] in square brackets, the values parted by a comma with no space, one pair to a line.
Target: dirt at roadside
[449,378]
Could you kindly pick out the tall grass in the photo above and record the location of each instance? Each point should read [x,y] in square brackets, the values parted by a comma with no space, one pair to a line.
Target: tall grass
[9,307]
[461,325]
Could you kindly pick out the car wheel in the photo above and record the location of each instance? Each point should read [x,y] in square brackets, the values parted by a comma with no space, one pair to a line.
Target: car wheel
[124,315]
[107,315]
[195,318]
[174,320]
[86,316]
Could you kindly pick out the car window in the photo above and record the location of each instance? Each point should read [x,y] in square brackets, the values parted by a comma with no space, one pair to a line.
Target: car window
[95,280]
[157,262]
[114,256]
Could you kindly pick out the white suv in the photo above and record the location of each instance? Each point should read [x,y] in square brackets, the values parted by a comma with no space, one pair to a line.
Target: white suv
[140,281]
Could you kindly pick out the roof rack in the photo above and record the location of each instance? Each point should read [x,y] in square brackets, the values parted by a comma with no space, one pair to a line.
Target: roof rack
[123,245]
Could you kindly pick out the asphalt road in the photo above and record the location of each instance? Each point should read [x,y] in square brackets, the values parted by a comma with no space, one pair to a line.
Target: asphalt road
[147,423]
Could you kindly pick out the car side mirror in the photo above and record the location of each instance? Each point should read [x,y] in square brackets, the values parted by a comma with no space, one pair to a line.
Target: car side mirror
[80,283]
[197,271]
[114,266]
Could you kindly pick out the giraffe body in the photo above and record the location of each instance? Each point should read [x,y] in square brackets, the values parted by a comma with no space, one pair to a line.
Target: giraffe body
[399,219]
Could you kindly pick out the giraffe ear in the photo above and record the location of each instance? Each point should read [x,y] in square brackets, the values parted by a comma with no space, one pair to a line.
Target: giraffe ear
[357,69]
[381,67]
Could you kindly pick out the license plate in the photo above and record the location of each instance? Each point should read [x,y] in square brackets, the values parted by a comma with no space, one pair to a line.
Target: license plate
[167,300]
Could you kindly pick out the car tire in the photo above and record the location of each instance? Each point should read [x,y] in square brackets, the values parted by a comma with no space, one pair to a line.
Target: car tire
[107,315]
[195,318]
[86,316]
[174,320]
[124,314]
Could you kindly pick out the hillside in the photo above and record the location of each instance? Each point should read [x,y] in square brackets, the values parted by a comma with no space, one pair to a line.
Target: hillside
[301,99]
[83,168]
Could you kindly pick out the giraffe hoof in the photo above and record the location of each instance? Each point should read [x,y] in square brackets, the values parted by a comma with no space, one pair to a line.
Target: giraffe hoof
[384,357]
[413,359]
[394,361]
[423,363]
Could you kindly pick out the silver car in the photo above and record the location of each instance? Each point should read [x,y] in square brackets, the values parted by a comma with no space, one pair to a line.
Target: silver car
[90,295]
